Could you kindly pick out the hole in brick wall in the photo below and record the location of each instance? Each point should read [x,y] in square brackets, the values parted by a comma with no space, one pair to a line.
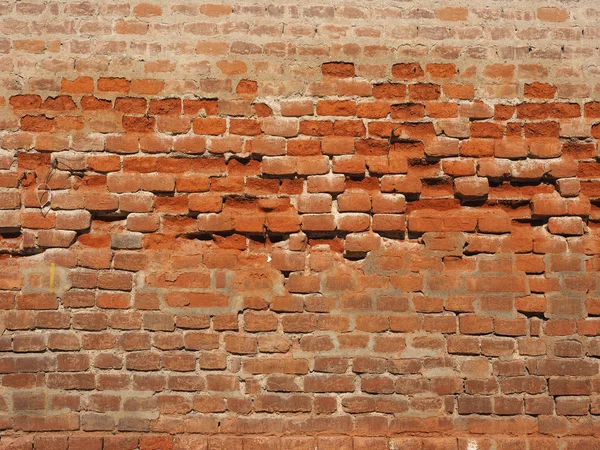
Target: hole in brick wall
[10,235]
[416,162]
[533,314]
[259,238]
[355,177]
[473,202]
[522,183]
[537,222]
[277,237]
[79,173]
[104,216]
[328,235]
[270,176]
[199,236]
[513,203]
[395,139]
[426,161]
[412,197]
[437,181]
[355,256]
[397,235]
[244,160]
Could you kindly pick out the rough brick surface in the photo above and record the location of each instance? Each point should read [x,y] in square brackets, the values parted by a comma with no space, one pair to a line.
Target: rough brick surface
[362,225]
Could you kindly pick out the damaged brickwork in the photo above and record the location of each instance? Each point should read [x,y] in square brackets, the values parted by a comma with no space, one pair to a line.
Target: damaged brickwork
[327,225]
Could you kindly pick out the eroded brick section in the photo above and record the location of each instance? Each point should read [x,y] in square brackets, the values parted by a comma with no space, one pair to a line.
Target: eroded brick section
[299,226]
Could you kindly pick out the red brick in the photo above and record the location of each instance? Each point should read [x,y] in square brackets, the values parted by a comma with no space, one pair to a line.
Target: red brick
[138,124]
[131,105]
[407,71]
[471,187]
[26,101]
[552,14]
[113,84]
[338,69]
[539,90]
[156,442]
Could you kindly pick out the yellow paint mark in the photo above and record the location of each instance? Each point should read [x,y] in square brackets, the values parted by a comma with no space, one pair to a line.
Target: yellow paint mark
[52,278]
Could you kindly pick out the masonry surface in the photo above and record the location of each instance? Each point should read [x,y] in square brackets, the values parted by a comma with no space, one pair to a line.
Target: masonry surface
[323,225]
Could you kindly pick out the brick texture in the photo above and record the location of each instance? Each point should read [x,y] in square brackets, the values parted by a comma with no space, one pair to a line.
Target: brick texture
[349,225]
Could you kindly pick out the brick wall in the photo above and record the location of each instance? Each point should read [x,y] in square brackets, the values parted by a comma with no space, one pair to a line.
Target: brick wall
[368,225]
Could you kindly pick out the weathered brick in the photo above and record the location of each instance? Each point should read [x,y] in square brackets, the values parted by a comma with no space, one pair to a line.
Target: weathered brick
[342,226]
